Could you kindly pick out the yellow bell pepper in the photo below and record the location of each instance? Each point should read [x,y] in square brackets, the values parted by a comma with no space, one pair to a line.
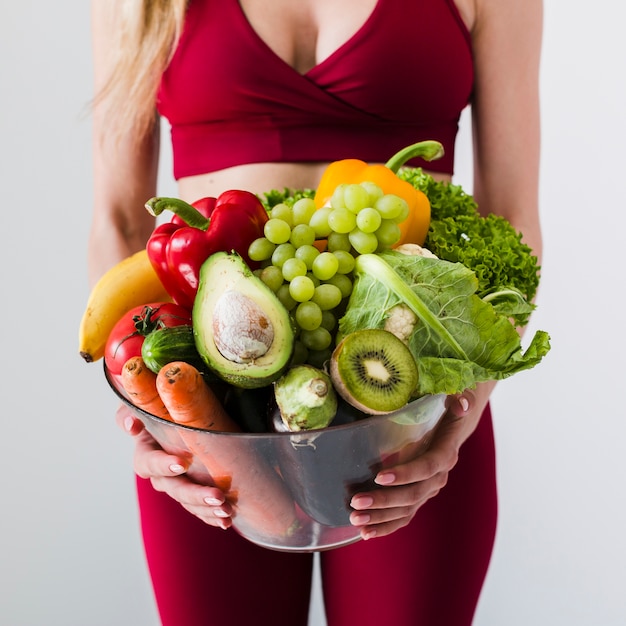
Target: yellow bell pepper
[415,227]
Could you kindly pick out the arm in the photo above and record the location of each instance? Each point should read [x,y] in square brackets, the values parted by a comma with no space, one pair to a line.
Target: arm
[505,116]
[125,176]
[124,171]
[506,125]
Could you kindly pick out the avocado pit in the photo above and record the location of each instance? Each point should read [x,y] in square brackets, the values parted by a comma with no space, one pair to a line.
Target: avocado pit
[242,331]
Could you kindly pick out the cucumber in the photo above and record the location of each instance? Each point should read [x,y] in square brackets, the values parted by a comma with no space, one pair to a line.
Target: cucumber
[165,345]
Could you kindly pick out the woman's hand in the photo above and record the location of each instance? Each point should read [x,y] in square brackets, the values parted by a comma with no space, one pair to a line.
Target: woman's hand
[167,474]
[409,485]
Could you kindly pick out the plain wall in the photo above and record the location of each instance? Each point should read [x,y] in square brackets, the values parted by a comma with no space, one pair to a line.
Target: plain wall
[70,552]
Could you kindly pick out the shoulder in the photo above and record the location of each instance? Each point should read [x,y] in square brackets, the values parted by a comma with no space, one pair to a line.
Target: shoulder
[106,17]
[106,12]
[505,18]
[502,16]
[506,38]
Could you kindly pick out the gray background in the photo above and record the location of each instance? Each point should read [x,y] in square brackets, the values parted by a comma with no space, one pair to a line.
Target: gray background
[69,545]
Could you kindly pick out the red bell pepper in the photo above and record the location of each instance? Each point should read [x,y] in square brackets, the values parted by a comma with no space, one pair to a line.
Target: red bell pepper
[177,249]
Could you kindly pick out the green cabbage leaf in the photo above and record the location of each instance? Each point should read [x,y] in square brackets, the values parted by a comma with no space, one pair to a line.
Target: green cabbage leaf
[460,339]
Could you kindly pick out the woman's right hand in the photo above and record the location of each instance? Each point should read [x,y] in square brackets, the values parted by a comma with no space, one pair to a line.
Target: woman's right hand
[167,474]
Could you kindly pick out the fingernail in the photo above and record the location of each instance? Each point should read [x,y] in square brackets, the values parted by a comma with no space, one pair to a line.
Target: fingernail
[128,423]
[361,502]
[175,468]
[360,519]
[464,402]
[385,479]
[212,501]
[220,513]
[368,534]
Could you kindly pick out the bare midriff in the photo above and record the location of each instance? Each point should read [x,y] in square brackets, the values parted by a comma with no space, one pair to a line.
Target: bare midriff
[257,178]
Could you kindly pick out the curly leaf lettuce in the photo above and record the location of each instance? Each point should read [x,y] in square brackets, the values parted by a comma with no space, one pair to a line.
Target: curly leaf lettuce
[459,339]
[489,245]
[287,196]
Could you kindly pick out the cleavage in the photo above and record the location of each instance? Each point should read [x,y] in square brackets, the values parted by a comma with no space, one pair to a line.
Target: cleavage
[304,34]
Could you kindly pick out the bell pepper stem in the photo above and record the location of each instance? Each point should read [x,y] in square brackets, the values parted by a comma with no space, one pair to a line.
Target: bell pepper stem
[184,210]
[427,150]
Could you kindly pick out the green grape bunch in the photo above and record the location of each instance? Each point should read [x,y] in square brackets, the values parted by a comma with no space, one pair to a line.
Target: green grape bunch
[307,257]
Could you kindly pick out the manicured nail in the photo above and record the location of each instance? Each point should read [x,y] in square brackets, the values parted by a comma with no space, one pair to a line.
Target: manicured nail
[361,502]
[464,402]
[360,519]
[128,423]
[220,513]
[212,501]
[385,479]
[175,468]
[368,534]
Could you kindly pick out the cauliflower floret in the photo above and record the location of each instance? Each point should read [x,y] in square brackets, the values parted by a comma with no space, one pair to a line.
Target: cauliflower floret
[401,322]
[412,249]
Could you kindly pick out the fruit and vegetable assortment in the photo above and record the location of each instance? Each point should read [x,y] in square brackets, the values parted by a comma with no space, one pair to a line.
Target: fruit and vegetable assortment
[320,306]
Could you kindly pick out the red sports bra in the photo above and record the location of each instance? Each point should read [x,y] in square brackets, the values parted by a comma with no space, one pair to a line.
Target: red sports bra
[405,76]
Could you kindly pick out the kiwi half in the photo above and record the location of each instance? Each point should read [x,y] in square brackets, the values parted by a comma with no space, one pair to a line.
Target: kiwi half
[374,371]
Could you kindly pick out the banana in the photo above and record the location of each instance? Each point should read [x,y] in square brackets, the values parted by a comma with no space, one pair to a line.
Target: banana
[130,283]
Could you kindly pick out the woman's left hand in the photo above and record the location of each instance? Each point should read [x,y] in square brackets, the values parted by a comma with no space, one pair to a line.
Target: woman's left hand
[406,487]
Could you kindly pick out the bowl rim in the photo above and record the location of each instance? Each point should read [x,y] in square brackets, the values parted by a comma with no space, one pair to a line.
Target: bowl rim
[369,421]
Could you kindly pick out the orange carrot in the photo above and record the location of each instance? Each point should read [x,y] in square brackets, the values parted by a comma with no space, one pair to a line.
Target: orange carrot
[190,401]
[264,503]
[140,384]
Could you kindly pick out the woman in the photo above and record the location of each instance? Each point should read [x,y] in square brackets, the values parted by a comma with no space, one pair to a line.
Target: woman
[263,95]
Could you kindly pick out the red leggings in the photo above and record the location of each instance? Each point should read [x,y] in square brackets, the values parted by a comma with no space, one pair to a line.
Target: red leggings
[429,573]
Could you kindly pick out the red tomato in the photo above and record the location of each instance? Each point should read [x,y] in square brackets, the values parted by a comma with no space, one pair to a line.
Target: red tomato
[128,334]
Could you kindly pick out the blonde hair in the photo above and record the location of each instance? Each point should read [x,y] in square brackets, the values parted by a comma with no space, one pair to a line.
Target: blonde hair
[145,37]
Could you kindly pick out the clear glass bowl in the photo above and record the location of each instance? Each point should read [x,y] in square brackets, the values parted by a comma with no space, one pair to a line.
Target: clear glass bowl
[291,491]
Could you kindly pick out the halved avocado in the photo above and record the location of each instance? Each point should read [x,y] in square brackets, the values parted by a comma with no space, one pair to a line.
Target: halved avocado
[241,329]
